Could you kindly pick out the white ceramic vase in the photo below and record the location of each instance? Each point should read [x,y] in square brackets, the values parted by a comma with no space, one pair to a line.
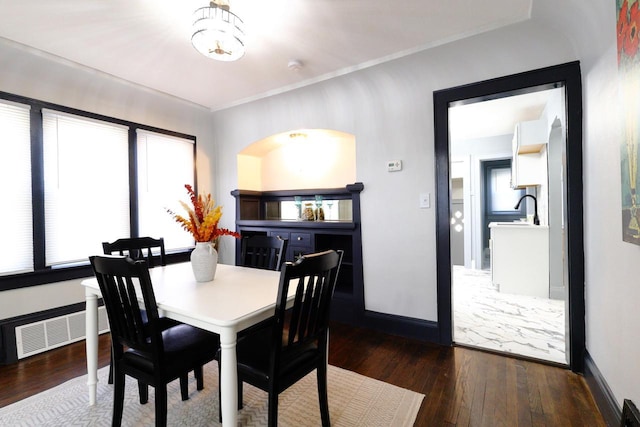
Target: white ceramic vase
[204,261]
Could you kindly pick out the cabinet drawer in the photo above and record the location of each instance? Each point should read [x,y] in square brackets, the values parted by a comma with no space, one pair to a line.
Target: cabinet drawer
[300,239]
[280,234]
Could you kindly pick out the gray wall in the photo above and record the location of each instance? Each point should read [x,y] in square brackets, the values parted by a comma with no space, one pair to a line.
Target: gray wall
[557,203]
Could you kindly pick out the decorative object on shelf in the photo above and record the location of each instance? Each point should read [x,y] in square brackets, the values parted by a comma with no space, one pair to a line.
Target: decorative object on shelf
[319,210]
[218,33]
[308,214]
[202,222]
[330,213]
[298,203]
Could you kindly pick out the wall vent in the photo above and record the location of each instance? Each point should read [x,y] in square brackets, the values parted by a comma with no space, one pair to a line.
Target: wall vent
[37,337]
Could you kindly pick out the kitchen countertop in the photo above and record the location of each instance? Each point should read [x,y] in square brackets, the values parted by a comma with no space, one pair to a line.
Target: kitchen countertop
[517,224]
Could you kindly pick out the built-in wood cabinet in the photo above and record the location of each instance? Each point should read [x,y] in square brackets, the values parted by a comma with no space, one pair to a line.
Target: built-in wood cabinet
[265,213]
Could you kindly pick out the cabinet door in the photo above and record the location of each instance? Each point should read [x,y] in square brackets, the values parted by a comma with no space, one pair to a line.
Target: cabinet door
[530,170]
[529,154]
[300,244]
[343,242]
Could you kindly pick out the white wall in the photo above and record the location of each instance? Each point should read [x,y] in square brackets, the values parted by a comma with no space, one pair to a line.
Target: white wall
[324,163]
[37,76]
[250,177]
[612,267]
[314,158]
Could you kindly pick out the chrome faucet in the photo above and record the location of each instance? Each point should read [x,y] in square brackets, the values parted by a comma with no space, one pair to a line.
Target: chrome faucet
[536,220]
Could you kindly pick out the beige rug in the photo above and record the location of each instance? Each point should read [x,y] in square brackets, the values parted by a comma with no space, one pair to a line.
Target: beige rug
[354,400]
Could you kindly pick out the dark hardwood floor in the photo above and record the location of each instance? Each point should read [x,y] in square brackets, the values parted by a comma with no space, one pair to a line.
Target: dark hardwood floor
[462,387]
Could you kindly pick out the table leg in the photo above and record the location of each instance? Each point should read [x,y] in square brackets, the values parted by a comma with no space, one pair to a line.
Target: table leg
[229,378]
[92,344]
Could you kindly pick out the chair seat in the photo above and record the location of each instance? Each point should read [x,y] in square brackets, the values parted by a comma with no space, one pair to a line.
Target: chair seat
[254,356]
[184,346]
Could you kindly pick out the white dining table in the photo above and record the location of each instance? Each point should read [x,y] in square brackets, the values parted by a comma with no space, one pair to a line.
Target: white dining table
[236,299]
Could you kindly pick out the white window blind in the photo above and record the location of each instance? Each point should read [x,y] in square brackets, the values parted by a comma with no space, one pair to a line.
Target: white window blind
[86,180]
[165,165]
[16,251]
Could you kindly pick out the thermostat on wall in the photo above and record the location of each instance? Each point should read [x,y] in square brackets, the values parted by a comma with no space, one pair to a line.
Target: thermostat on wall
[394,165]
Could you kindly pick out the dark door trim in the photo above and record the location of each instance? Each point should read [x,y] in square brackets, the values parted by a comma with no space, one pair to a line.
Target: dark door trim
[569,75]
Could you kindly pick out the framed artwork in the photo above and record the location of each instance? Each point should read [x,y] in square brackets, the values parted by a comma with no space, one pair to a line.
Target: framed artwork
[627,27]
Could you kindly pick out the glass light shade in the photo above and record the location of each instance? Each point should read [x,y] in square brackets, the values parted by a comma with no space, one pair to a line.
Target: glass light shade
[218,33]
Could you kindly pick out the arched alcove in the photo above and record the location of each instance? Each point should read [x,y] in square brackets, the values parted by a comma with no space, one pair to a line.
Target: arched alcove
[298,159]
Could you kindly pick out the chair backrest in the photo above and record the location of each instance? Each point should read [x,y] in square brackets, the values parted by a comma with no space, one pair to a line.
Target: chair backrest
[264,252]
[118,278]
[137,248]
[307,321]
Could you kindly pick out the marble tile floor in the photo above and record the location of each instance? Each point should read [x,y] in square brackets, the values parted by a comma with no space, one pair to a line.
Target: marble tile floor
[518,324]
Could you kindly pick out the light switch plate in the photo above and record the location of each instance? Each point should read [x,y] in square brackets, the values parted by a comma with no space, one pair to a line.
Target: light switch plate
[394,165]
[425,200]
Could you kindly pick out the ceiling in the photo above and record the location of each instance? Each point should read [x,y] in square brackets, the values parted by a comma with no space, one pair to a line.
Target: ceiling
[497,116]
[148,42]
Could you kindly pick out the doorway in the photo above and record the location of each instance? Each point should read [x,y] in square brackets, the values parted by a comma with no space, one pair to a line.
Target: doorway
[502,301]
[567,75]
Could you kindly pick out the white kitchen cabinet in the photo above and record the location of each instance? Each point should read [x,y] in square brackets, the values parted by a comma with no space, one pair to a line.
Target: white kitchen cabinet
[520,258]
[529,165]
[531,136]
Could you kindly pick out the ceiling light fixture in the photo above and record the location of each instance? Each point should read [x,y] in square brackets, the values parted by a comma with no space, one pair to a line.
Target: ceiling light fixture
[218,33]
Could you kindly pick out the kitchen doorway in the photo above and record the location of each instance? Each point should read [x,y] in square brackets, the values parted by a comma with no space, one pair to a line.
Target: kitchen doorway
[568,77]
[502,301]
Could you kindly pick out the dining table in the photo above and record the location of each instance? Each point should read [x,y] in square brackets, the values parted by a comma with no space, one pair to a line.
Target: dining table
[236,299]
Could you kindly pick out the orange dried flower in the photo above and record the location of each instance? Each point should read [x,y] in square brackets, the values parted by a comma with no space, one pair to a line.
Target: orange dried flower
[202,219]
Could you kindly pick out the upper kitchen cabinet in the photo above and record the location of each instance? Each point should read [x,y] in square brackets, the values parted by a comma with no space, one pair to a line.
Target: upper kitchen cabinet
[529,165]
[530,137]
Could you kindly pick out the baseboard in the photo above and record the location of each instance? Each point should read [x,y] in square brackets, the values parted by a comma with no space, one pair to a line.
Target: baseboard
[604,398]
[408,327]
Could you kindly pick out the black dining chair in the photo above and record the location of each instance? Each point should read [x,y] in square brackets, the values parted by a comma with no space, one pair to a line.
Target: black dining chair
[148,350]
[283,351]
[266,252]
[136,248]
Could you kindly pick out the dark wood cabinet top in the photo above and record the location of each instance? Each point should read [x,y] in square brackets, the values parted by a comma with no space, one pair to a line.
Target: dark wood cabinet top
[318,225]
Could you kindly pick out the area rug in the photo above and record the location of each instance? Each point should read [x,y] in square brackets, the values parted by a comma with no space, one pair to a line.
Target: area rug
[354,400]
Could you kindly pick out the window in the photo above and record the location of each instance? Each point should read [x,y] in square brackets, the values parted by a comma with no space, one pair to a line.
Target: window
[86,186]
[71,179]
[165,165]
[16,251]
